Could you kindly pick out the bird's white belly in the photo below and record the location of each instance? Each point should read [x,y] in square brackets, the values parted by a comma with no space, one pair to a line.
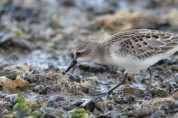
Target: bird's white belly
[131,64]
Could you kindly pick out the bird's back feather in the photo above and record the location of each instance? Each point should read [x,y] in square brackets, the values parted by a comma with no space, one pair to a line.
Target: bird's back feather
[143,43]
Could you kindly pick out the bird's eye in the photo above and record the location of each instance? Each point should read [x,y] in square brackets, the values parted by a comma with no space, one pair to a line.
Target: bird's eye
[78,54]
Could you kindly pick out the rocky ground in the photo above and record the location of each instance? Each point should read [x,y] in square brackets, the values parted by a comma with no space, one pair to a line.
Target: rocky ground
[37,39]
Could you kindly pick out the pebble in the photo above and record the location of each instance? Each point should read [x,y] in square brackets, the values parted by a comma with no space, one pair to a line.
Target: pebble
[76,78]
[123,116]
[64,105]
[13,98]
[48,89]
[158,114]
[60,98]
[175,68]
[175,115]
[159,92]
[21,13]
[175,85]
[176,77]
[68,3]
[110,114]
[12,76]
[168,72]
[99,106]
[129,109]
[2,95]
[15,43]
[78,103]
[41,89]
[1,88]
[169,84]
[91,67]
[30,79]
[127,99]
[130,98]
[174,106]
[71,106]
[110,107]
[88,104]
[167,61]
[165,108]
[52,103]
[48,115]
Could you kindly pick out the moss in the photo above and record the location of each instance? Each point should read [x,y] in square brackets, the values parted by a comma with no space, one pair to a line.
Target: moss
[18,32]
[22,109]
[54,23]
[159,92]
[81,113]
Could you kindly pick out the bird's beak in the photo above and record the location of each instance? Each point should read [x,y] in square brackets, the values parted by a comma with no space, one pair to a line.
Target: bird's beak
[72,64]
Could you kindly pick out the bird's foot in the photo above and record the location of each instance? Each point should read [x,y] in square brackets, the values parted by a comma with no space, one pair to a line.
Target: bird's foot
[111,90]
[99,95]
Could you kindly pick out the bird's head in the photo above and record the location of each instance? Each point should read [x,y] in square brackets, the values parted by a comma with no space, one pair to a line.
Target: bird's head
[83,52]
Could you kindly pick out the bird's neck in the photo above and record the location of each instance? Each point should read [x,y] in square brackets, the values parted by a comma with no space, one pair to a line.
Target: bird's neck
[99,53]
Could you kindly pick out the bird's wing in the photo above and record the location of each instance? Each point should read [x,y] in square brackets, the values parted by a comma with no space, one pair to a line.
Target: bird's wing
[145,43]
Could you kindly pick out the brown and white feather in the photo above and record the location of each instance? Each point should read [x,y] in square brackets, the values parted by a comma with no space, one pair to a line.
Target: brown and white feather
[143,43]
[133,50]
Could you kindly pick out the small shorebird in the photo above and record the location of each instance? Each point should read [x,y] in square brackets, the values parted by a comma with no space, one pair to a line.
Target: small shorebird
[132,50]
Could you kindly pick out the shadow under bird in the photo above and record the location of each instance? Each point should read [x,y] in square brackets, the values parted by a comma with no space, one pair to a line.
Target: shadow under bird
[132,50]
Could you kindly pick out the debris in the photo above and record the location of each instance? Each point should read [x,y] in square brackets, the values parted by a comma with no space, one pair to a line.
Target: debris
[13,84]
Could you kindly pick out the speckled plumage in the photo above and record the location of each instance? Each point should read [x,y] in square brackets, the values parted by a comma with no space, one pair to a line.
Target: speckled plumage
[133,50]
[143,43]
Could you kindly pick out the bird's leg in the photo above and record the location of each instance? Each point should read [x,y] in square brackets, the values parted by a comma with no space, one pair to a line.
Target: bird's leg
[150,79]
[110,91]
[122,81]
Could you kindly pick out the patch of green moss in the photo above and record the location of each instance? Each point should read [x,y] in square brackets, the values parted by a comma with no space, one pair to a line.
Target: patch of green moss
[22,109]
[7,116]
[54,24]
[81,113]
[18,32]
[159,92]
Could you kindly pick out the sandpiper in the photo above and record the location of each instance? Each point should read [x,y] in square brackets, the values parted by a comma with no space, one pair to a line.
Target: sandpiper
[132,50]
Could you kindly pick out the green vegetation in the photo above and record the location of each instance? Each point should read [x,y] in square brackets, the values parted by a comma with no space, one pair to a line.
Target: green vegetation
[22,109]
[54,24]
[18,32]
[81,113]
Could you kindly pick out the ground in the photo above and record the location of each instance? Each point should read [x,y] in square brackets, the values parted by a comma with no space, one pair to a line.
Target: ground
[37,39]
